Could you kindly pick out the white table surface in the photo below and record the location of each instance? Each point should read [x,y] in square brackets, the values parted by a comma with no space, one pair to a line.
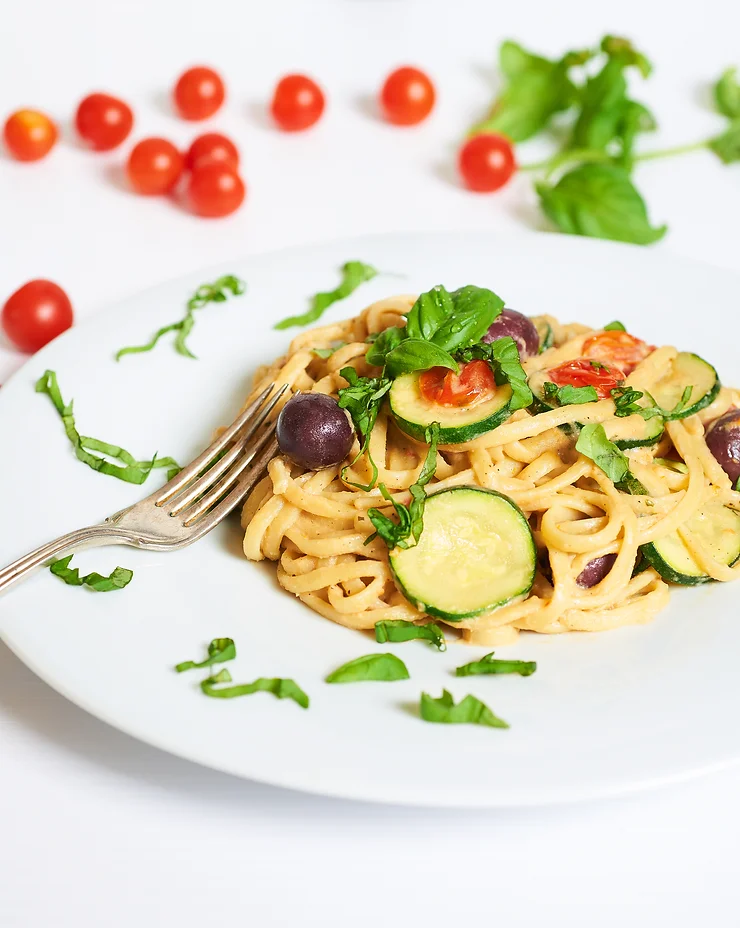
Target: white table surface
[97,829]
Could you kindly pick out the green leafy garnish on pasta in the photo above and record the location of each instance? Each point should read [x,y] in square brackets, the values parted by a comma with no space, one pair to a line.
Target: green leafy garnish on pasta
[398,630]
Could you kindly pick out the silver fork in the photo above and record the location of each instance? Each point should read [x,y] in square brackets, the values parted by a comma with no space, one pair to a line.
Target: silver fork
[185,508]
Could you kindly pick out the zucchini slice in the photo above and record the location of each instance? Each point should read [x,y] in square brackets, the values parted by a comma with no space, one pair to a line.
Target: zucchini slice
[413,413]
[687,370]
[627,432]
[719,529]
[476,553]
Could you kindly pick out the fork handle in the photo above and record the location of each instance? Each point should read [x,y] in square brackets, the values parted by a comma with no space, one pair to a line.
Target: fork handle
[92,537]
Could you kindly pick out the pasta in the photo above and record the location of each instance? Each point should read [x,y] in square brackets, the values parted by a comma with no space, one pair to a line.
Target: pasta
[315,524]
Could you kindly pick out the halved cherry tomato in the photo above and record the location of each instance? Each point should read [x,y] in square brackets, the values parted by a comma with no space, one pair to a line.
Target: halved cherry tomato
[212,147]
[619,348]
[439,385]
[37,312]
[587,373]
[297,103]
[103,121]
[198,93]
[29,135]
[407,97]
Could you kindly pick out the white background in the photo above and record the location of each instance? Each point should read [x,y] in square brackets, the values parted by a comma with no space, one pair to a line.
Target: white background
[97,829]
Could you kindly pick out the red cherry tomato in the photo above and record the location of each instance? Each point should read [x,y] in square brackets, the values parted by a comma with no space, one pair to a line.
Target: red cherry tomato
[586,373]
[215,189]
[620,348]
[446,388]
[37,312]
[154,166]
[486,162]
[103,121]
[407,97]
[29,135]
[297,103]
[212,147]
[198,93]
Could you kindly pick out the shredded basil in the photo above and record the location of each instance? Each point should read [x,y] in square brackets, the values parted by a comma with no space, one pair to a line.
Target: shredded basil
[489,664]
[128,469]
[384,667]
[469,711]
[325,353]
[353,273]
[220,650]
[117,580]
[398,630]
[278,686]
[362,399]
[593,443]
[568,395]
[615,326]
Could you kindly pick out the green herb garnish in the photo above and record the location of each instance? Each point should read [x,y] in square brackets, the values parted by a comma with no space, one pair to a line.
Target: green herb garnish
[503,356]
[383,343]
[362,399]
[116,580]
[615,326]
[568,395]
[469,711]
[415,354]
[217,292]
[398,630]
[325,353]
[410,518]
[128,468]
[625,402]
[593,443]
[489,664]
[354,273]
[278,686]
[727,94]
[219,651]
[384,667]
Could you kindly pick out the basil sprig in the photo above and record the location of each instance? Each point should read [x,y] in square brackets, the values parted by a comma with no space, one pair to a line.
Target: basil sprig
[398,630]
[594,444]
[568,395]
[410,518]
[220,650]
[278,686]
[383,667]
[128,469]
[469,711]
[491,665]
[116,580]
[353,273]
[217,292]
[625,402]
[453,321]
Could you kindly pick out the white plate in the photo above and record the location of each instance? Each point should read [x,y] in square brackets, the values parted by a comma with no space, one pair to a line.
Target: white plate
[604,714]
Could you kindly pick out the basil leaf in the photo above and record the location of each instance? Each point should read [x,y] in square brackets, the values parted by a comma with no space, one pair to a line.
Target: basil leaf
[575,396]
[278,686]
[217,292]
[129,469]
[634,119]
[415,354]
[509,369]
[385,667]
[398,630]
[117,580]
[727,145]
[428,313]
[489,664]
[469,711]
[475,309]
[625,402]
[536,90]
[593,443]
[219,651]
[615,326]
[727,94]
[325,353]
[410,518]
[599,200]
[362,400]
[386,341]
[354,273]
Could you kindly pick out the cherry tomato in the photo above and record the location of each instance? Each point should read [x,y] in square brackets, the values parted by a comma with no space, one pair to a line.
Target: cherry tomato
[103,121]
[37,312]
[620,348]
[154,166]
[215,189]
[486,162]
[446,388]
[407,97]
[29,135]
[297,103]
[586,373]
[212,147]
[198,93]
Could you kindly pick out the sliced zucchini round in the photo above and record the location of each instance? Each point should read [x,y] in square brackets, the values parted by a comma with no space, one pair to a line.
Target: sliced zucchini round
[716,525]
[634,431]
[687,370]
[413,413]
[476,553]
